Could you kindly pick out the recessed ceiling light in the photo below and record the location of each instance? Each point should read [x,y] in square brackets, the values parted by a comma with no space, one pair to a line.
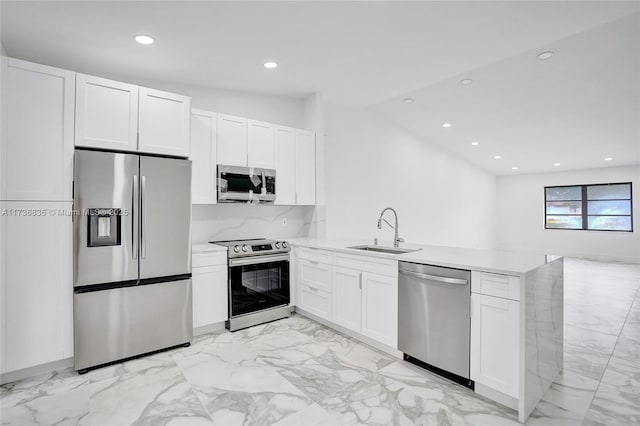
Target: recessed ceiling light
[466,81]
[408,100]
[446,125]
[497,157]
[514,168]
[270,65]
[545,55]
[608,159]
[144,39]
[475,143]
[556,164]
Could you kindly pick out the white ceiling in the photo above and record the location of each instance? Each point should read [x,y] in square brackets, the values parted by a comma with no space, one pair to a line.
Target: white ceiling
[576,109]
[370,54]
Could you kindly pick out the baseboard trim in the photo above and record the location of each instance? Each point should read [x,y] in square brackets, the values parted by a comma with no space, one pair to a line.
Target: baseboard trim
[36,370]
[209,328]
[380,346]
[497,396]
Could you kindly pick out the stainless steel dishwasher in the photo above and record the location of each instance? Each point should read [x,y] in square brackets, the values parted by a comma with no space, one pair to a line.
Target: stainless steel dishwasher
[434,319]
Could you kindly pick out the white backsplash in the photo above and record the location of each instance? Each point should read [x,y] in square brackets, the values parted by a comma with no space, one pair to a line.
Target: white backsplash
[241,221]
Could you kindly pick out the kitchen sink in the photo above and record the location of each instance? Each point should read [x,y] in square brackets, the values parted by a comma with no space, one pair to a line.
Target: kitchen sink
[383,249]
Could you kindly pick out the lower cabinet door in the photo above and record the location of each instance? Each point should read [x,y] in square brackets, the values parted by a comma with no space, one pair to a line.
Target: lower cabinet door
[210,295]
[495,342]
[380,308]
[36,293]
[347,298]
[315,301]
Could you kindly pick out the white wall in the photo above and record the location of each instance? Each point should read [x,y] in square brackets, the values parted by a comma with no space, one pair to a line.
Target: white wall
[521,216]
[371,163]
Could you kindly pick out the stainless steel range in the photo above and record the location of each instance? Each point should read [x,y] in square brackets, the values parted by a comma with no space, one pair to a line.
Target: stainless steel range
[258,281]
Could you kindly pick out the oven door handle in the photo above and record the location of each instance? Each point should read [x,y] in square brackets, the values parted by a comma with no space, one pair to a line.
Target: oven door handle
[254,260]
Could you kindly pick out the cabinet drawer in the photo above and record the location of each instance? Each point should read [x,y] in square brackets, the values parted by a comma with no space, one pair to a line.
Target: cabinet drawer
[315,274]
[498,285]
[208,259]
[371,264]
[315,301]
[313,254]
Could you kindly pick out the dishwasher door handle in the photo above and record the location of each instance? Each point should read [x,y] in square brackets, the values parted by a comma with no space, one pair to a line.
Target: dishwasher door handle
[458,281]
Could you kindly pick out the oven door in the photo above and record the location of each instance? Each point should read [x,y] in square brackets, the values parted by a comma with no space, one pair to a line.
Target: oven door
[257,283]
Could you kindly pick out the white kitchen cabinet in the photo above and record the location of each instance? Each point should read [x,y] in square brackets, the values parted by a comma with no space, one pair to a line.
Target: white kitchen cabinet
[314,300]
[106,114]
[314,274]
[305,167]
[36,284]
[260,140]
[495,343]
[347,298]
[232,140]
[164,121]
[210,295]
[380,308]
[124,117]
[37,139]
[203,157]
[285,165]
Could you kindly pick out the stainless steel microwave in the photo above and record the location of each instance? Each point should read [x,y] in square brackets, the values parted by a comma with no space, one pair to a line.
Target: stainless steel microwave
[246,184]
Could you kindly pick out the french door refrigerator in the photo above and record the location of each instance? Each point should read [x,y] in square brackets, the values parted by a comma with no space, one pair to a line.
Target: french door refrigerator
[132,256]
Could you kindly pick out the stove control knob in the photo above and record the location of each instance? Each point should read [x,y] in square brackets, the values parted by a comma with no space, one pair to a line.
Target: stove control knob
[277,244]
[244,248]
[284,244]
[236,249]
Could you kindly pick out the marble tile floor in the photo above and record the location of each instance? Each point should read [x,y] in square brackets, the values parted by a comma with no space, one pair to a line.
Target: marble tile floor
[298,372]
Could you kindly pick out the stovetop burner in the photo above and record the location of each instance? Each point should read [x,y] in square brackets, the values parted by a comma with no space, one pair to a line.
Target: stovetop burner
[253,247]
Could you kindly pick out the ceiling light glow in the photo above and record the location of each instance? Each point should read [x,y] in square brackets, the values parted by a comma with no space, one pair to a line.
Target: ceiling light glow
[556,164]
[475,143]
[497,157]
[408,100]
[608,159]
[270,65]
[144,39]
[446,125]
[514,168]
[545,55]
[466,81]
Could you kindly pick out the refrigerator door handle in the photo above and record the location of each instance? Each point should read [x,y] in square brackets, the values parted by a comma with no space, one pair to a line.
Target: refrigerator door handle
[134,228]
[143,213]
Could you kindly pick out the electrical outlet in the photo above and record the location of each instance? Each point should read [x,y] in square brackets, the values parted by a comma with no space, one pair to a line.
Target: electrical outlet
[283,222]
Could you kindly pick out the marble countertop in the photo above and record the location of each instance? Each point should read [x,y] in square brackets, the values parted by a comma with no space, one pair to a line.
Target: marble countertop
[206,247]
[495,261]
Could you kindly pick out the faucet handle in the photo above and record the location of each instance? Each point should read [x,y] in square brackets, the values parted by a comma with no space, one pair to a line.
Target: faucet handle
[400,240]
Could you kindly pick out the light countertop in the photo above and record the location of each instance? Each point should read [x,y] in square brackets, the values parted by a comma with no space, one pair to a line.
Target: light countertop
[496,261]
[206,248]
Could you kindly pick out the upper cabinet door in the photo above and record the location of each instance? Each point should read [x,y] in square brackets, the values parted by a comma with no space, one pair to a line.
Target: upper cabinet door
[164,124]
[285,165]
[232,140]
[260,144]
[305,167]
[106,114]
[203,157]
[37,138]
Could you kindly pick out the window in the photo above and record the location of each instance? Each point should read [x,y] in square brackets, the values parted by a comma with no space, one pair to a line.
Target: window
[602,207]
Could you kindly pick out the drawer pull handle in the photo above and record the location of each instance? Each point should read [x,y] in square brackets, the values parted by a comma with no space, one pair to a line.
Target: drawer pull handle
[313,289]
[313,262]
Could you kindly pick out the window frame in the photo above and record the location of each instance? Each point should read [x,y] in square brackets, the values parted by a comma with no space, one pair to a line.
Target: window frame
[585,203]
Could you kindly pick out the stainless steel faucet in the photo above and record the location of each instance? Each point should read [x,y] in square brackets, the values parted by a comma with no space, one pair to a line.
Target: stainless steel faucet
[396,240]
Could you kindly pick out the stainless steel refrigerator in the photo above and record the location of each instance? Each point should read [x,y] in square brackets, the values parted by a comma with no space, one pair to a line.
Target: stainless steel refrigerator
[132,256]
